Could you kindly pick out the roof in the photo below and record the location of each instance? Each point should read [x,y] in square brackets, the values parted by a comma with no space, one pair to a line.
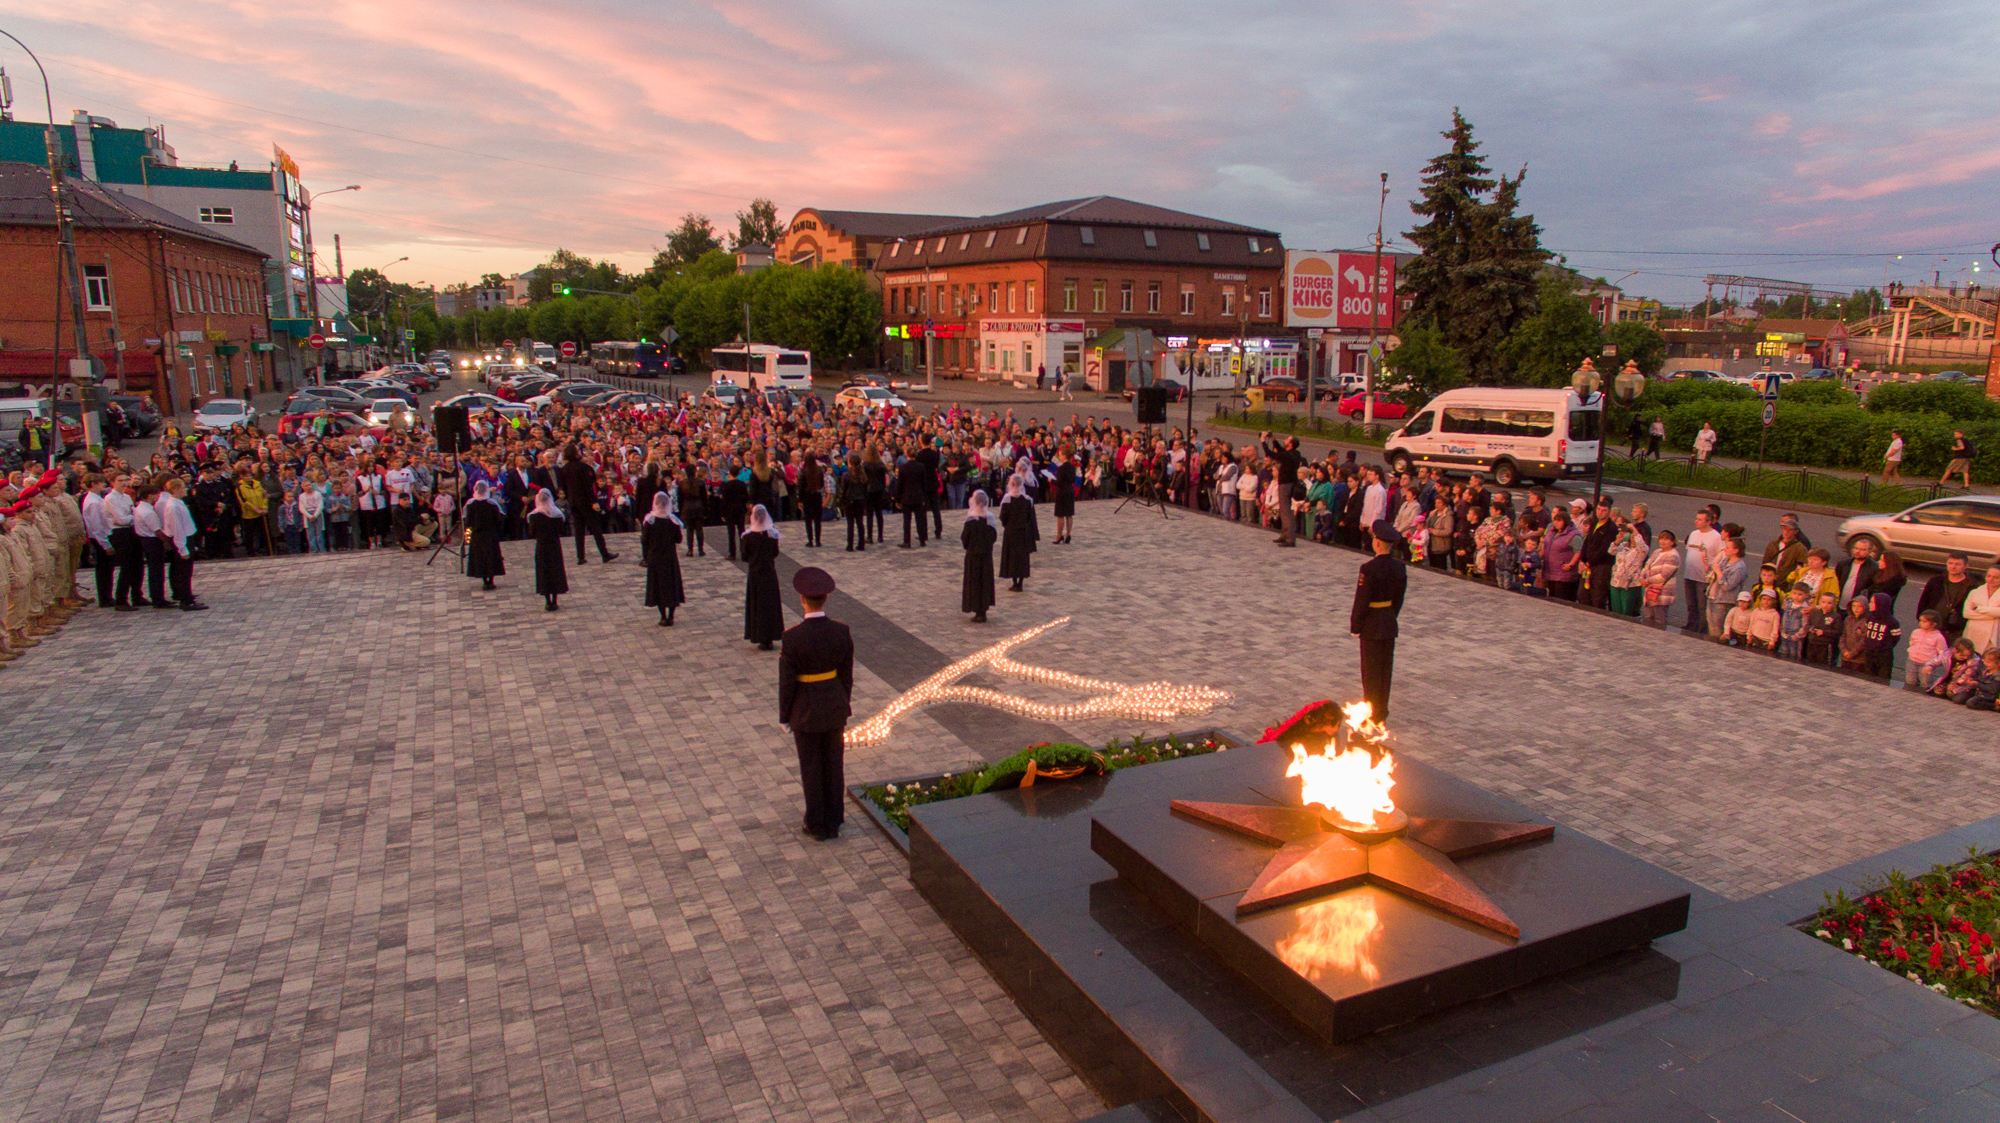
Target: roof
[753,248]
[1824,329]
[1108,210]
[24,201]
[881,224]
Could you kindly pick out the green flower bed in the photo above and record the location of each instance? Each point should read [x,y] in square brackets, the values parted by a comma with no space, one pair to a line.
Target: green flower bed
[895,800]
[1938,929]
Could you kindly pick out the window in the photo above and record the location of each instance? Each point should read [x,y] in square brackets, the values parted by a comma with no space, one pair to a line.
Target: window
[1421,425]
[1228,300]
[957,300]
[1069,294]
[940,246]
[1027,357]
[942,307]
[220,216]
[1028,304]
[1201,242]
[97,288]
[1982,516]
[964,240]
[993,296]
[1498,422]
[1152,240]
[1097,296]
[1088,235]
[1254,247]
[989,238]
[183,298]
[924,300]
[896,250]
[1021,236]
[1264,303]
[1152,296]
[992,355]
[1010,297]
[1948,513]
[1187,302]
[1124,296]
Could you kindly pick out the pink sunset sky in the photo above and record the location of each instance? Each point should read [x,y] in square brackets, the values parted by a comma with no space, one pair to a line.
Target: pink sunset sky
[1782,139]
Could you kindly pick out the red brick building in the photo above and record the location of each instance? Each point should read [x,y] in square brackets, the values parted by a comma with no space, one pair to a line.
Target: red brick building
[187,303]
[851,238]
[1106,287]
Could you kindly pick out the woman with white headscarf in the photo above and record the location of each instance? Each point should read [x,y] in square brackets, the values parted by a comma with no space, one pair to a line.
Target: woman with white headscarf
[658,540]
[981,531]
[545,526]
[483,519]
[1019,532]
[763,611]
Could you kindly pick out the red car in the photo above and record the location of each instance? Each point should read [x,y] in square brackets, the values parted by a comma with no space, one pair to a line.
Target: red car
[1386,409]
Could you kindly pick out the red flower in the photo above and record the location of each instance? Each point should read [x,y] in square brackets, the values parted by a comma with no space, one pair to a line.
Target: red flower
[1285,726]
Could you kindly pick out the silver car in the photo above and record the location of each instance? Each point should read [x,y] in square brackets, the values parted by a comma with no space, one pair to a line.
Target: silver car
[1929,531]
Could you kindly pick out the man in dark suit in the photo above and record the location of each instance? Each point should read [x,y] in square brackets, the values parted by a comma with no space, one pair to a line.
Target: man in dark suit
[912,497]
[1857,572]
[815,680]
[1287,459]
[579,486]
[1378,600]
[934,491]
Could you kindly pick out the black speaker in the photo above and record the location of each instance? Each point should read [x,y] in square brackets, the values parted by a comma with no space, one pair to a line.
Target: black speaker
[451,425]
[1150,402]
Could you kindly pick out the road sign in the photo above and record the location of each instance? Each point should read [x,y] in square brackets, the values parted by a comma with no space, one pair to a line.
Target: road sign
[1374,352]
[1770,388]
[409,334]
[568,349]
[316,341]
[1770,412]
[506,343]
[929,324]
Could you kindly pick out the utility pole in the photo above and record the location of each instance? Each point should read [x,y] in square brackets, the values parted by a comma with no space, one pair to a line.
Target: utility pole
[1374,315]
[117,336]
[66,258]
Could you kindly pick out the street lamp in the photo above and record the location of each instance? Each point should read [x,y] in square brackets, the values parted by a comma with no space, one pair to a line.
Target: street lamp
[1586,383]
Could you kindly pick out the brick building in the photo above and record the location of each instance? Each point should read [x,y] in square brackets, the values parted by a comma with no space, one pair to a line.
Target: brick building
[852,238]
[187,302]
[1116,291]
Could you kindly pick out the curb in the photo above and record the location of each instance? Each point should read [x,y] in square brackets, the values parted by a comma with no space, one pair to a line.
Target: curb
[1732,497]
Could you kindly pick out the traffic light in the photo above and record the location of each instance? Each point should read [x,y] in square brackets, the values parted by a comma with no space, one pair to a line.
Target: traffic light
[565,290]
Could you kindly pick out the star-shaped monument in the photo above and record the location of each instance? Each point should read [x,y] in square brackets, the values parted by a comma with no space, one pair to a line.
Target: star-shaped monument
[1415,857]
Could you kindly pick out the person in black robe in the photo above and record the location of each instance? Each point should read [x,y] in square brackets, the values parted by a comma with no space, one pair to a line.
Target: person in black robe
[735,502]
[1018,532]
[877,475]
[812,495]
[483,522]
[658,539]
[1062,489]
[763,612]
[546,526]
[694,509]
[976,593]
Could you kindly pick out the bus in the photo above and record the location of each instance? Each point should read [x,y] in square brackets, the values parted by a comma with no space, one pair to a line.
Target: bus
[629,360]
[765,365]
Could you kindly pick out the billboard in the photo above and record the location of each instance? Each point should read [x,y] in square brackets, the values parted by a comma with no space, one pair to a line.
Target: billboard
[1332,290]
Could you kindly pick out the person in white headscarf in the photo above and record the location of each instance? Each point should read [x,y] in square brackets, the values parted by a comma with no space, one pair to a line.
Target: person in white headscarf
[545,525]
[1019,532]
[763,611]
[658,538]
[483,522]
[980,532]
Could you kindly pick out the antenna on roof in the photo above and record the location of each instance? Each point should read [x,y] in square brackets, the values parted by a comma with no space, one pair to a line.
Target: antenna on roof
[6,96]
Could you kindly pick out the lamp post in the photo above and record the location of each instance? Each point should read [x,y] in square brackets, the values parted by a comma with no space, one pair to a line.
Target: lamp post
[1585,381]
[1374,316]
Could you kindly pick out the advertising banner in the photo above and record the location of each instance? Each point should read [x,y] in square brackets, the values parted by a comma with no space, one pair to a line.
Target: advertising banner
[1311,288]
[1359,300]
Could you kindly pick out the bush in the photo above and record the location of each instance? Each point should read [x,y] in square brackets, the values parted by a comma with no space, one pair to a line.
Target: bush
[1666,395]
[1957,400]
[1818,436]
[1819,392]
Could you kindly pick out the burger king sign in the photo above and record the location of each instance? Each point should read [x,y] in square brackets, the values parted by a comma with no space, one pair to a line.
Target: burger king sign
[1332,290]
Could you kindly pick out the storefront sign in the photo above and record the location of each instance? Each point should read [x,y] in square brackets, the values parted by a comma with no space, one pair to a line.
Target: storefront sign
[1050,327]
[1232,276]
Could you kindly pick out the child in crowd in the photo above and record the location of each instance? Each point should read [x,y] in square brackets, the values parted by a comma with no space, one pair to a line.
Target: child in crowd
[1883,634]
[1531,566]
[1823,631]
[290,521]
[1986,688]
[1506,561]
[1930,653]
[1958,676]
[1854,636]
[1792,627]
[1736,623]
[1765,622]
[340,514]
[1767,582]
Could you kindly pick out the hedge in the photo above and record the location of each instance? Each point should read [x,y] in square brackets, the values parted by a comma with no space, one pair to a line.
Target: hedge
[1957,400]
[1828,436]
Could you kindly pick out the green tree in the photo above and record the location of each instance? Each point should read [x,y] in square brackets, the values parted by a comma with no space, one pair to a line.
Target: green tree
[1548,346]
[491,281]
[757,226]
[1475,277]
[1636,341]
[1426,362]
[687,243]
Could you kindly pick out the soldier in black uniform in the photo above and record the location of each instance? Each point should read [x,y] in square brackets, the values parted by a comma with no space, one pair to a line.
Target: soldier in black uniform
[1378,599]
[815,678]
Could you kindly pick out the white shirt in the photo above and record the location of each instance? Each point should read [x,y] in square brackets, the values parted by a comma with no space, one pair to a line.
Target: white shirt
[118,509]
[95,523]
[368,492]
[1895,452]
[1374,505]
[176,522]
[1982,618]
[145,520]
[1696,568]
[399,480]
[1704,441]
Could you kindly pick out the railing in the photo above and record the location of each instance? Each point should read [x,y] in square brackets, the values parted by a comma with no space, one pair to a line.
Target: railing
[1798,484]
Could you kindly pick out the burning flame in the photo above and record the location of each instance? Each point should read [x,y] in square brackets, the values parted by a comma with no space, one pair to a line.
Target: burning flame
[1348,780]
[1334,934]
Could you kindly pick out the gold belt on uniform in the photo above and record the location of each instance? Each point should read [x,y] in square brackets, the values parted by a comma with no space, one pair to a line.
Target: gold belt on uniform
[820,677]
[1380,603]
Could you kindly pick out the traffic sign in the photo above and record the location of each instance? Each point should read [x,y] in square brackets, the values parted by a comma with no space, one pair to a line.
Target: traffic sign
[1770,387]
[409,334]
[1374,352]
[1770,412]
[569,349]
[506,343]
[318,342]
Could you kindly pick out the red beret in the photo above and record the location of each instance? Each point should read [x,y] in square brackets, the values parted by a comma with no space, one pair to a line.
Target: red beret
[29,492]
[49,477]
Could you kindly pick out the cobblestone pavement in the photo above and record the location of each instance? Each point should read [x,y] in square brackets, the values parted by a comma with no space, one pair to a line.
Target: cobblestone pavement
[366,841]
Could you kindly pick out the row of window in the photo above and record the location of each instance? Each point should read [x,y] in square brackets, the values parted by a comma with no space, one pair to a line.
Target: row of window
[197,291]
[1087,234]
[958,300]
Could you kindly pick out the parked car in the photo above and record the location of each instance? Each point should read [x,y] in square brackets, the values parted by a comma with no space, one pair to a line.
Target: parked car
[1952,376]
[14,414]
[339,396]
[874,397]
[1283,388]
[476,402]
[142,418]
[389,412]
[1386,408]
[629,399]
[221,413]
[383,390]
[1175,391]
[727,393]
[1930,530]
[570,393]
[344,423]
[1698,374]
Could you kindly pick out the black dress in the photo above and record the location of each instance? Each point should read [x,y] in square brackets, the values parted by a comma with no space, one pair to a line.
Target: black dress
[551,579]
[763,611]
[658,539]
[1017,521]
[482,553]
[1064,488]
[978,538]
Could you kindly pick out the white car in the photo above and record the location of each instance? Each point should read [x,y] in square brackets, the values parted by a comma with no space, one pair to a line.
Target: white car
[874,397]
[385,411]
[476,403]
[221,413]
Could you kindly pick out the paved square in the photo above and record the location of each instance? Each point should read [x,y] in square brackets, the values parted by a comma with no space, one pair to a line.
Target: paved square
[365,841]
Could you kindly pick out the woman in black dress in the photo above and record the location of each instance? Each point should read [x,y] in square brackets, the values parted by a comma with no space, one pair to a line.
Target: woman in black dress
[483,520]
[658,539]
[694,508]
[1018,532]
[546,525]
[981,531]
[1063,490]
[763,611]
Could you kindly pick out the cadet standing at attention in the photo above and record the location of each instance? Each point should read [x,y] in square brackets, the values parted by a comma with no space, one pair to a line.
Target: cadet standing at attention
[815,679]
[1378,600]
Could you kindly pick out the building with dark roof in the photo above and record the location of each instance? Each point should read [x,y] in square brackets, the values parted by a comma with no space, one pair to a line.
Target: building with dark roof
[187,302]
[1109,289]
[850,238]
